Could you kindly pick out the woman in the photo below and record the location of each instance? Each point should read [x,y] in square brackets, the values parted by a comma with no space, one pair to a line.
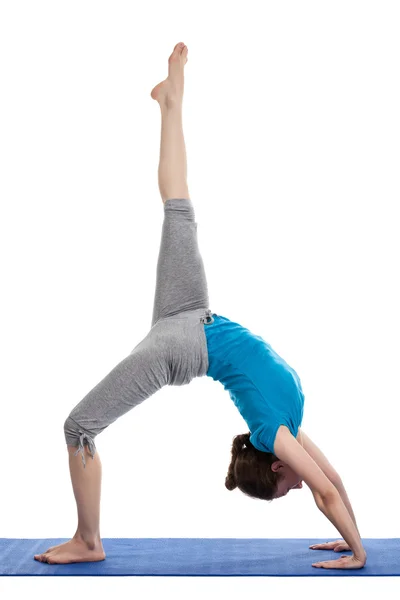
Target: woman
[187,340]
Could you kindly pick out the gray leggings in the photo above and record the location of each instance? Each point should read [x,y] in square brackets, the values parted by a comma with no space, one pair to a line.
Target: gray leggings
[175,349]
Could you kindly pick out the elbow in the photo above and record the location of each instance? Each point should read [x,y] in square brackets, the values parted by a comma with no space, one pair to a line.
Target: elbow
[325,497]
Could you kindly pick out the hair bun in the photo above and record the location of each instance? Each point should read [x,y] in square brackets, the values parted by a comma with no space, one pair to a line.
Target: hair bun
[230,482]
[247,441]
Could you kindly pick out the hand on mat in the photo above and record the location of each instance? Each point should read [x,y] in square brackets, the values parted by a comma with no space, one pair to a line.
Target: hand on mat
[336,546]
[344,562]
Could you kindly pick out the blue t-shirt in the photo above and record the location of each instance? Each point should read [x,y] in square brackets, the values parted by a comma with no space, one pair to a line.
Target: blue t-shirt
[264,388]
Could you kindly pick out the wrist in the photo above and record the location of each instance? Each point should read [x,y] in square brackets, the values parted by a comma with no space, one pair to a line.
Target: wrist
[361,555]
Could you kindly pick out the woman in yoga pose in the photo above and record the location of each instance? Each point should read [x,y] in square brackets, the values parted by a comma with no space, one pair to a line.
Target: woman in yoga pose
[187,340]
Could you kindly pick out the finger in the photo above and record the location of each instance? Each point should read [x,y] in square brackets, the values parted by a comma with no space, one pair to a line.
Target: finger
[322,544]
[327,564]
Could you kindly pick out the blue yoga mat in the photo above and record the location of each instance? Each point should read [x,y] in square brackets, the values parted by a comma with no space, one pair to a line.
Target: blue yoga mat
[276,557]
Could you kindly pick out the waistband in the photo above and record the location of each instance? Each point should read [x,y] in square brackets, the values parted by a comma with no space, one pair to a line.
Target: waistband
[207,315]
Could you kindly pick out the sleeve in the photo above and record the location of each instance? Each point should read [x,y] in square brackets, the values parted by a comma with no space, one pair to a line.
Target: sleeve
[263,438]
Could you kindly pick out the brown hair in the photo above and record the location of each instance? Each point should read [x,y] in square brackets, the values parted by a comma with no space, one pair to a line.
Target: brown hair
[250,470]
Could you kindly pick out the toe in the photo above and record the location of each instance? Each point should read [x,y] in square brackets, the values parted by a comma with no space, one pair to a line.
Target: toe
[177,51]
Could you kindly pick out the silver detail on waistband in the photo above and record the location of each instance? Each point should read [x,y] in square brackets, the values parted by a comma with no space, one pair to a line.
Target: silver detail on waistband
[206,316]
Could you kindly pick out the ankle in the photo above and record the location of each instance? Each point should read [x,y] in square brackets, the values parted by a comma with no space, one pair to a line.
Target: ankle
[171,104]
[92,540]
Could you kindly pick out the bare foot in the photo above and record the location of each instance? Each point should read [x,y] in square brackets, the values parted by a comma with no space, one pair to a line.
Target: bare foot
[170,91]
[73,551]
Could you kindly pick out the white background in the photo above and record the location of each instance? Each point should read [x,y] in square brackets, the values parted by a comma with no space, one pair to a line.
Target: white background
[291,121]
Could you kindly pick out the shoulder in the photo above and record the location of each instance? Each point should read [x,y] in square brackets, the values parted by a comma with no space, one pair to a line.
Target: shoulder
[282,435]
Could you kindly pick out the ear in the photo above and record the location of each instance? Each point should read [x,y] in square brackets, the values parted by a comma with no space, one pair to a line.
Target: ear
[276,465]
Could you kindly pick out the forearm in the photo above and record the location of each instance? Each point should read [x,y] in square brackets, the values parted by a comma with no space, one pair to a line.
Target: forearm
[343,494]
[335,510]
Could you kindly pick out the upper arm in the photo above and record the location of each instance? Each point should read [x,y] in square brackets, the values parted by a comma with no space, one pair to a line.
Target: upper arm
[288,449]
[320,458]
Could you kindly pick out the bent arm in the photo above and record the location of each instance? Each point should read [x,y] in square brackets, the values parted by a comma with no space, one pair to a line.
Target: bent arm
[335,510]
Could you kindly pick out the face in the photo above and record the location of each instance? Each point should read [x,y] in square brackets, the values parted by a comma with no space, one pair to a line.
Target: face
[291,481]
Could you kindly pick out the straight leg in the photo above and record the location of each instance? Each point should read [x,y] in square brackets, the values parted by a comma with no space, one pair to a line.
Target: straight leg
[181,283]
[172,169]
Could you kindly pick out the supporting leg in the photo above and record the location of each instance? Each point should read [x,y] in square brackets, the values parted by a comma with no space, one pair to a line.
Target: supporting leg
[86,544]
[86,485]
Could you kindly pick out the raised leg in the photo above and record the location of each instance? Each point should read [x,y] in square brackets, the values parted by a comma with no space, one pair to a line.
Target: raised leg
[172,169]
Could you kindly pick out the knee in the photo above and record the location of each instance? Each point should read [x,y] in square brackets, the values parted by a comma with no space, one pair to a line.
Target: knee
[75,435]
[71,432]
